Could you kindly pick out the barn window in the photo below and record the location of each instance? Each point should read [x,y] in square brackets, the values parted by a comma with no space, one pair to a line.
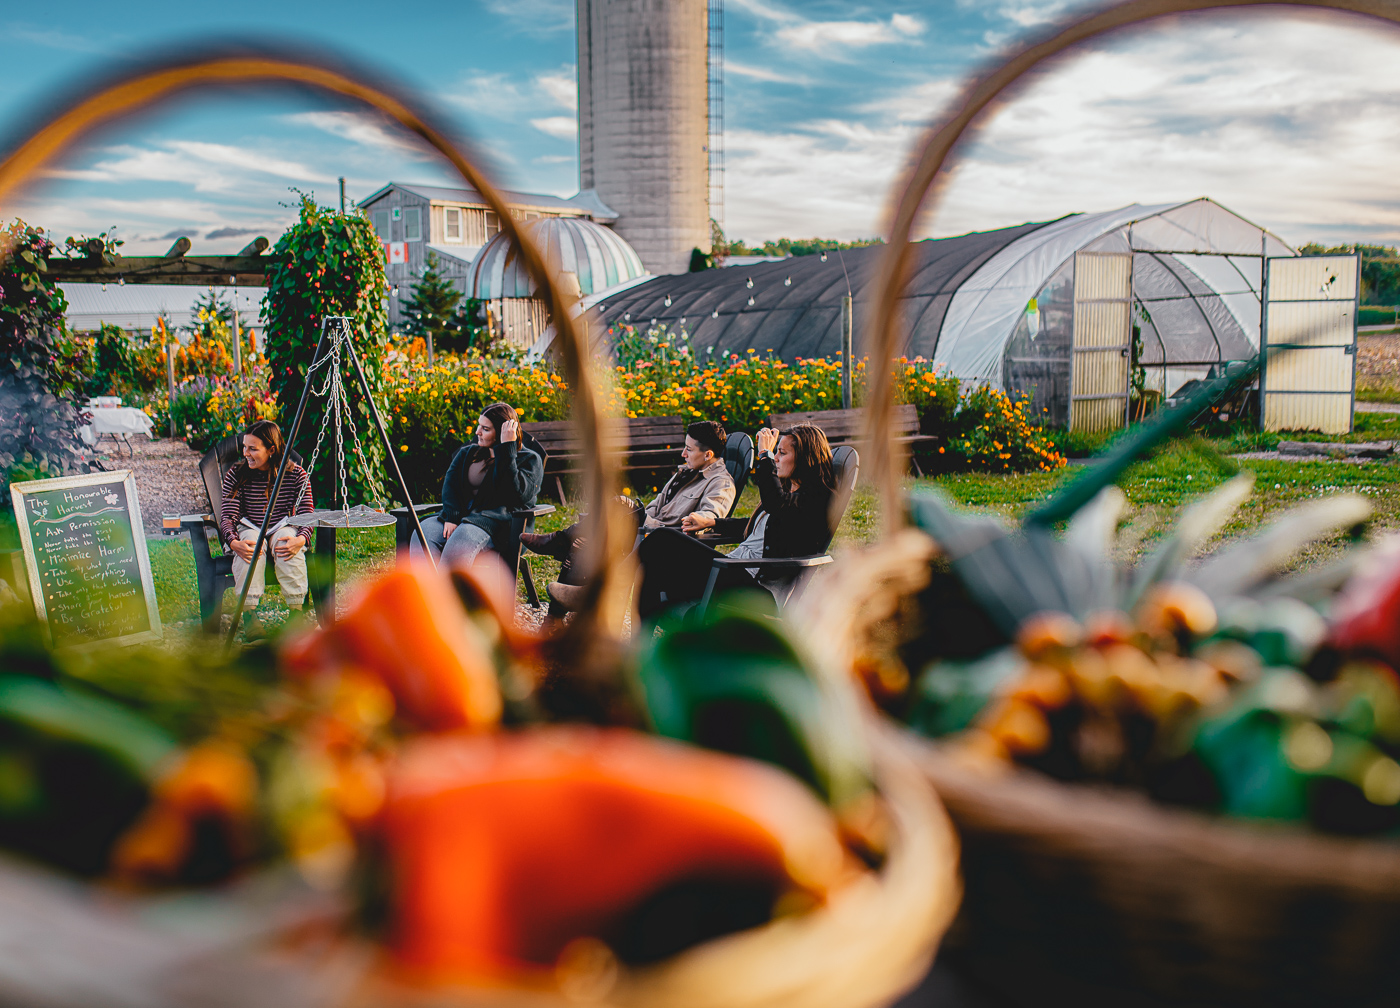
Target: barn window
[413,224]
[453,229]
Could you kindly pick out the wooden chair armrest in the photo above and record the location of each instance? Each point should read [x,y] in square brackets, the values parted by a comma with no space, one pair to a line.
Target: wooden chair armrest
[196,519]
[422,509]
[773,563]
[717,540]
[539,510]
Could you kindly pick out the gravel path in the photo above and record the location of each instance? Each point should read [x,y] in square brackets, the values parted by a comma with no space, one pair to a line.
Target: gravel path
[1377,407]
[167,478]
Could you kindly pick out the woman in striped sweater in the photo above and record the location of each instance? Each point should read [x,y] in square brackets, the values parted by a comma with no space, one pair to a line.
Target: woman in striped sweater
[246,488]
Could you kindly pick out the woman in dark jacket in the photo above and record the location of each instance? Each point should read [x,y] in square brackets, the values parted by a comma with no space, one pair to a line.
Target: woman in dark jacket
[488,479]
[795,481]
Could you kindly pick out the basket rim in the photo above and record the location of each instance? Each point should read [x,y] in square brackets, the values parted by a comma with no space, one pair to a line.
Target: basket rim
[1118,825]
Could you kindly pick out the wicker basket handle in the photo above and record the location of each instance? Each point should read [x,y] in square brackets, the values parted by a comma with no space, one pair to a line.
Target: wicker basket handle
[923,185]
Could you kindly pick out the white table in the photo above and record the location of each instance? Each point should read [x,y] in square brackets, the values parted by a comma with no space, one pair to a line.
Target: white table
[118,422]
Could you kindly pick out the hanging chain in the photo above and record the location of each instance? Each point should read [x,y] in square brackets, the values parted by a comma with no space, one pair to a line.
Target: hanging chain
[339,414]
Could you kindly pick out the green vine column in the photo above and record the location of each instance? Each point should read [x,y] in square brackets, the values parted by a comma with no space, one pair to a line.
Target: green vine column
[329,263]
[41,373]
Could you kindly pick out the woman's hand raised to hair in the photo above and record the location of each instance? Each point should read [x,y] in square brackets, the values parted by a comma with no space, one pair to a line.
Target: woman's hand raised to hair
[767,439]
[510,430]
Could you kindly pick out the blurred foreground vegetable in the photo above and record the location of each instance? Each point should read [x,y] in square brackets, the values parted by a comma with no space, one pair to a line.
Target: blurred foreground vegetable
[502,851]
[1220,684]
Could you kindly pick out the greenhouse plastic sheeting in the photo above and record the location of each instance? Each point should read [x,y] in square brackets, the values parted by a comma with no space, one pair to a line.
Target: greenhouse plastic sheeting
[1217,315]
[792,307]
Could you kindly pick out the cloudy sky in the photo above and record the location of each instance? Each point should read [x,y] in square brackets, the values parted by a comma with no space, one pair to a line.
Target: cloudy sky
[1290,122]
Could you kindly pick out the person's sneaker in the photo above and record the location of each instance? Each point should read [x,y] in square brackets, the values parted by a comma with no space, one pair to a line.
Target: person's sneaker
[252,626]
[552,544]
[570,597]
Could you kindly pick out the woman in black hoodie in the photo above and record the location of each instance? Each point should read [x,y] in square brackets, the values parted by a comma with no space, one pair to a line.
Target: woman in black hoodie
[488,479]
[796,482]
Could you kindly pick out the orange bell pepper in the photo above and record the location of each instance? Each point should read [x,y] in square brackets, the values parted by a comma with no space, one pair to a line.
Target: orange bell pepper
[410,629]
[504,850]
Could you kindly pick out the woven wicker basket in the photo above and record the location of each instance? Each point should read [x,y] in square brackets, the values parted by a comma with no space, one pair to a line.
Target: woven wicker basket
[1100,891]
[1095,895]
[271,942]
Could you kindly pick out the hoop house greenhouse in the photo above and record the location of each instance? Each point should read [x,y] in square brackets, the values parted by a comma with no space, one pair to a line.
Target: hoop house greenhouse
[1062,311]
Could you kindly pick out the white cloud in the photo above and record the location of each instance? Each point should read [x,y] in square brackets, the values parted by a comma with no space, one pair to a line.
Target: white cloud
[762,73]
[1029,13]
[205,167]
[829,37]
[555,159]
[1283,121]
[561,87]
[535,17]
[361,128]
[563,127]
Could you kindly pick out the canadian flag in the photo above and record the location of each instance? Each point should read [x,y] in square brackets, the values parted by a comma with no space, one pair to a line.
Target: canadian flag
[398,252]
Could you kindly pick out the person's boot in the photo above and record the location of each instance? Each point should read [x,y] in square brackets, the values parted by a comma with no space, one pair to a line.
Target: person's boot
[252,626]
[550,544]
[569,597]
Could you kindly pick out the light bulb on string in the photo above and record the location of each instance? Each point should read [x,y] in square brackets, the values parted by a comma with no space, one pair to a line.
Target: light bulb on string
[787,282]
[749,284]
[627,317]
[104,288]
[668,300]
[121,281]
[823,257]
[750,299]
[715,313]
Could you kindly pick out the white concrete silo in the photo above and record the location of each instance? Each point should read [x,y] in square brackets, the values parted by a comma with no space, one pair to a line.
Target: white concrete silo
[642,90]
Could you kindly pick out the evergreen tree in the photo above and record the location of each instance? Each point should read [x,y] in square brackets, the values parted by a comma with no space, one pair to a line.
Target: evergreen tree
[431,311]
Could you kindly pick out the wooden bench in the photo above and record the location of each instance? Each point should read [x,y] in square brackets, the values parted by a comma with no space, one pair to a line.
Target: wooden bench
[651,442]
[847,426]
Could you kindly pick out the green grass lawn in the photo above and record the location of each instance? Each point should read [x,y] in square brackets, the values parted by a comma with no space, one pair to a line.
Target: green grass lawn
[1155,488]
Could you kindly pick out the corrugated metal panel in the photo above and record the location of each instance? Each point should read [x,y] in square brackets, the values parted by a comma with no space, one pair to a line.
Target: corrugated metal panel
[1323,370]
[1103,290]
[520,320]
[1309,373]
[1313,278]
[1323,413]
[1312,323]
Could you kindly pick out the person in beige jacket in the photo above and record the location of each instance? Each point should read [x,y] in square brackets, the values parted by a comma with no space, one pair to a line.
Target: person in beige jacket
[701,485]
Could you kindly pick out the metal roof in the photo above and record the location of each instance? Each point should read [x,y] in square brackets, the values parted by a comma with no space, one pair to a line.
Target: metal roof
[599,256]
[793,306]
[525,201]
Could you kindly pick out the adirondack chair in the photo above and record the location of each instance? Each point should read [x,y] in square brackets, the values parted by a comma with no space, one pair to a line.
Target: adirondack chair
[521,521]
[214,574]
[738,459]
[846,461]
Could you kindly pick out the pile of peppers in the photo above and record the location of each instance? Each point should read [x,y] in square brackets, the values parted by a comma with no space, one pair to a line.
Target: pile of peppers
[408,754]
[1262,708]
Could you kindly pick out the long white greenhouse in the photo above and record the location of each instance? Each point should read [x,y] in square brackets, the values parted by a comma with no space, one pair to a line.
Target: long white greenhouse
[1061,311]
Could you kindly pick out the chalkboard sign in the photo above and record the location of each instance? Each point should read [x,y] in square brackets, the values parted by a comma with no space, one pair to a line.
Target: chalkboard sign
[85,554]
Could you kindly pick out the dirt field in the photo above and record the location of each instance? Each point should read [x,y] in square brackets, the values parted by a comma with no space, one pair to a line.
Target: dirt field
[1378,365]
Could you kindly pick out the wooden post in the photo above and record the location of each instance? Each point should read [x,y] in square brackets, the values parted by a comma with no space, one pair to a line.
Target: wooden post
[342,194]
[847,320]
[170,348]
[237,348]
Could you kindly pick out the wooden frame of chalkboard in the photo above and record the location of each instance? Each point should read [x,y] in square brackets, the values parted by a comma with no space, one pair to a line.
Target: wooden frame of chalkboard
[85,556]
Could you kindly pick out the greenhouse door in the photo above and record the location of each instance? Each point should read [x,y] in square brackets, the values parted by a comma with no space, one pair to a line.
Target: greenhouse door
[1308,380]
[1103,302]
